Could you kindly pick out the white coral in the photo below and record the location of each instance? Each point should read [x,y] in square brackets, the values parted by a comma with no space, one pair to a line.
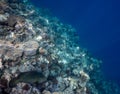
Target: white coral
[1,66]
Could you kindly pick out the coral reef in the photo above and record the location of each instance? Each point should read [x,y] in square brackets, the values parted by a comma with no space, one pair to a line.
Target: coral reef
[41,55]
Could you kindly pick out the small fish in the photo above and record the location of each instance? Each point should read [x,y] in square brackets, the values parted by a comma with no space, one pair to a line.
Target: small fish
[28,77]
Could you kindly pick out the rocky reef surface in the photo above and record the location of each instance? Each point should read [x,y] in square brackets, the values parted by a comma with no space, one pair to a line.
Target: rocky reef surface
[41,55]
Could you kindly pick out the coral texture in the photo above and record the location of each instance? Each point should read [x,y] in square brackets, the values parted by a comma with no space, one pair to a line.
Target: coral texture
[41,55]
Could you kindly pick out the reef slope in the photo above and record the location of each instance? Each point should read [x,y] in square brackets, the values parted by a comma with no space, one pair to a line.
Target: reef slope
[41,55]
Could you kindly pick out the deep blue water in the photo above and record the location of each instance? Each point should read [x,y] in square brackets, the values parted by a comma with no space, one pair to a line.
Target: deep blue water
[98,25]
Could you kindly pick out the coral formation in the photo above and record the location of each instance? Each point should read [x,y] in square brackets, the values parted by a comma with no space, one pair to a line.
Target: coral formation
[41,55]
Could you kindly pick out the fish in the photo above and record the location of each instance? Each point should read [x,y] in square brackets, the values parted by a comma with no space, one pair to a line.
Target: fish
[30,77]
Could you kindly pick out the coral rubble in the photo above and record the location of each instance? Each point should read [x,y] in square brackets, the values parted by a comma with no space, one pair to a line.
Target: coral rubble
[40,55]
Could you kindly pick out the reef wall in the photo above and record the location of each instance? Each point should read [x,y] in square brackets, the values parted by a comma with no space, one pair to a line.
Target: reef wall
[40,55]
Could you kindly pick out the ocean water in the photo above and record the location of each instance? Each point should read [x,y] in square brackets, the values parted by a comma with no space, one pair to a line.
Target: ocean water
[59,47]
[98,25]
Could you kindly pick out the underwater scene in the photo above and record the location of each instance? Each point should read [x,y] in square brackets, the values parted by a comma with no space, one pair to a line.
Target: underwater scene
[41,53]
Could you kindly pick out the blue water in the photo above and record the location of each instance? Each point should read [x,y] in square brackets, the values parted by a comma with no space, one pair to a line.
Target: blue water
[98,25]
